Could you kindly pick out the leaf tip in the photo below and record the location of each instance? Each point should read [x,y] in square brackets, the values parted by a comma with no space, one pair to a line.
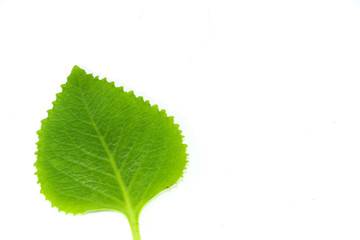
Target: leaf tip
[155,106]
[141,99]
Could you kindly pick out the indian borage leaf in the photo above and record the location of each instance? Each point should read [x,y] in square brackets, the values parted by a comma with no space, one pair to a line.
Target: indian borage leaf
[103,148]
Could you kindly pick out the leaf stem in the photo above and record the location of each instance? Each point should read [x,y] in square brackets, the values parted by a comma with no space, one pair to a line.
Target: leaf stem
[134,225]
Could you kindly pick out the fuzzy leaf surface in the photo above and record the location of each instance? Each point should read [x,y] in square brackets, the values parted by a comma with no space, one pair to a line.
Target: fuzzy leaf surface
[103,148]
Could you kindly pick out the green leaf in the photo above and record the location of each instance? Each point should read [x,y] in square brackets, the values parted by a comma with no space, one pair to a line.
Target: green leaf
[103,148]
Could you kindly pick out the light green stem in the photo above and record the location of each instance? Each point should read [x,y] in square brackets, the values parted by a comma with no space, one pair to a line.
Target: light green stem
[134,225]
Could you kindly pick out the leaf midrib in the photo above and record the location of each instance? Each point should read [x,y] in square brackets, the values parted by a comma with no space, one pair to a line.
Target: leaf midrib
[112,160]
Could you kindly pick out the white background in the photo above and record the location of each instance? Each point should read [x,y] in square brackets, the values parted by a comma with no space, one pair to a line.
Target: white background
[266,92]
